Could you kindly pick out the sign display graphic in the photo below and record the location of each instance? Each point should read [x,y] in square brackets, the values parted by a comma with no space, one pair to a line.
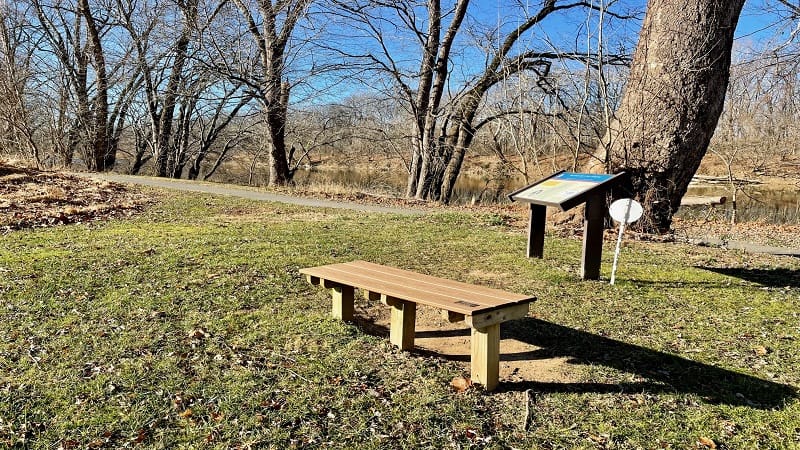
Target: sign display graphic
[560,188]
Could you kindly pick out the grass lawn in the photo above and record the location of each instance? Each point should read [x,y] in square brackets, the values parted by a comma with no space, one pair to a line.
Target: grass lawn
[190,327]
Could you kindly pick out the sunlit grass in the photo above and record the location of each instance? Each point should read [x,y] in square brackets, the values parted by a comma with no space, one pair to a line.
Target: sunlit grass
[190,326]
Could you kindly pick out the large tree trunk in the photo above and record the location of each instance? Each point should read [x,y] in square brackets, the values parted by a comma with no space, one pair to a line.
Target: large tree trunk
[278,21]
[459,141]
[164,150]
[672,101]
[420,157]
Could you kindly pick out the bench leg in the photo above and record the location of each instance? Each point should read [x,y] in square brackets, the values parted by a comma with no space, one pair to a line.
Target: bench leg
[485,358]
[343,302]
[401,329]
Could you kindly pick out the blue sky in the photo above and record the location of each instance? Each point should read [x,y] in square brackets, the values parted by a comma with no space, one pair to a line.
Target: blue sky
[571,30]
[760,21]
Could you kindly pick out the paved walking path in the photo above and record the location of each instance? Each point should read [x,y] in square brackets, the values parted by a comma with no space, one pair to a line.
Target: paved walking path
[746,246]
[212,188]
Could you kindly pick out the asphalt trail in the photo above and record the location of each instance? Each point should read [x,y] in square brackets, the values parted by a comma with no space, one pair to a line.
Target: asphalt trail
[217,189]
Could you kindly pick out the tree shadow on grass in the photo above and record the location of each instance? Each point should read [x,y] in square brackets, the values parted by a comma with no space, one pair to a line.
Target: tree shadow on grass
[779,277]
[656,372]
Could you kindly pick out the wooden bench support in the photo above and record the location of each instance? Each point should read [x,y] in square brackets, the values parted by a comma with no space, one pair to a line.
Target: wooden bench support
[401,328]
[451,316]
[497,316]
[485,356]
[483,309]
[343,297]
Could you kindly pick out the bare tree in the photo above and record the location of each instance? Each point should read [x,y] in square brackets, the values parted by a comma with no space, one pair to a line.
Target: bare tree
[270,26]
[84,77]
[17,130]
[444,126]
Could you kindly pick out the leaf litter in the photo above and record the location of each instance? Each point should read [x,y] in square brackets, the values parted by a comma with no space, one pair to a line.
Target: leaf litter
[31,198]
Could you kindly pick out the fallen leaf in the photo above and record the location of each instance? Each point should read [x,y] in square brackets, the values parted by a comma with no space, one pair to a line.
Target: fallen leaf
[69,444]
[186,413]
[461,384]
[760,350]
[141,436]
[706,442]
[199,333]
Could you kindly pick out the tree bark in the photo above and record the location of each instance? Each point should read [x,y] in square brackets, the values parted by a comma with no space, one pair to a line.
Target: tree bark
[427,158]
[422,129]
[165,159]
[104,157]
[279,172]
[272,33]
[672,102]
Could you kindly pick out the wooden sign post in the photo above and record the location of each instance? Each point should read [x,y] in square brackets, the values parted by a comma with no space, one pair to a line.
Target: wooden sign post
[565,190]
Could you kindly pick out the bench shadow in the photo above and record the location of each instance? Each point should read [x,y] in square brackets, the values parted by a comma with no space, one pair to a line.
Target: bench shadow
[779,277]
[656,372]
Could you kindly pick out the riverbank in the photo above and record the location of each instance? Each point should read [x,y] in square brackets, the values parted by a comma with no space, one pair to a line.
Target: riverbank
[44,201]
[750,236]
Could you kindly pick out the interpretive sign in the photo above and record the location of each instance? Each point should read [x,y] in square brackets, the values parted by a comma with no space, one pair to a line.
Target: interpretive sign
[565,190]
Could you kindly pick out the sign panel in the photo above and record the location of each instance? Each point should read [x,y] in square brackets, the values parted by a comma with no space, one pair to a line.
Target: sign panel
[561,187]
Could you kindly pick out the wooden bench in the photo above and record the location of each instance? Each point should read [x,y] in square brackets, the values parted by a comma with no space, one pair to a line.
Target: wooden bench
[483,309]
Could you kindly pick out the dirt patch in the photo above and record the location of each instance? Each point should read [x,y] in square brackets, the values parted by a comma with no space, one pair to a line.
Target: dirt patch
[435,336]
[31,198]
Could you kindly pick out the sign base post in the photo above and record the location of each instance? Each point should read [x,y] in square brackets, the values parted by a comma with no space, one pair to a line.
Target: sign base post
[592,254]
[536,231]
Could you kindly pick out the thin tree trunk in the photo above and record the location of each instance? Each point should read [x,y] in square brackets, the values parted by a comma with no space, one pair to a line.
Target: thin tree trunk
[103,156]
[163,147]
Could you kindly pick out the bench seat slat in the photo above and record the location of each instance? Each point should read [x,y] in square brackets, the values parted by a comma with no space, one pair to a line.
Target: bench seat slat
[486,294]
[400,291]
[423,289]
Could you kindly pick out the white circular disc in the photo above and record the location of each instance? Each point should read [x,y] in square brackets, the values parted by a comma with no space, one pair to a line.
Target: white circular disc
[625,210]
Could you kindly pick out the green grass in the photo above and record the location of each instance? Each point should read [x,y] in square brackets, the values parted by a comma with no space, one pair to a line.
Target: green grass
[190,327]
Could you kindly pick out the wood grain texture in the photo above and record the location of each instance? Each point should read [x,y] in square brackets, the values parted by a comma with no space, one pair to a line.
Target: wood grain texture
[401,328]
[455,296]
[485,356]
[497,316]
[342,297]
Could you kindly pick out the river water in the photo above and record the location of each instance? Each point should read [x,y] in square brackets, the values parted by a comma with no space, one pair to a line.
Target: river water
[754,202]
